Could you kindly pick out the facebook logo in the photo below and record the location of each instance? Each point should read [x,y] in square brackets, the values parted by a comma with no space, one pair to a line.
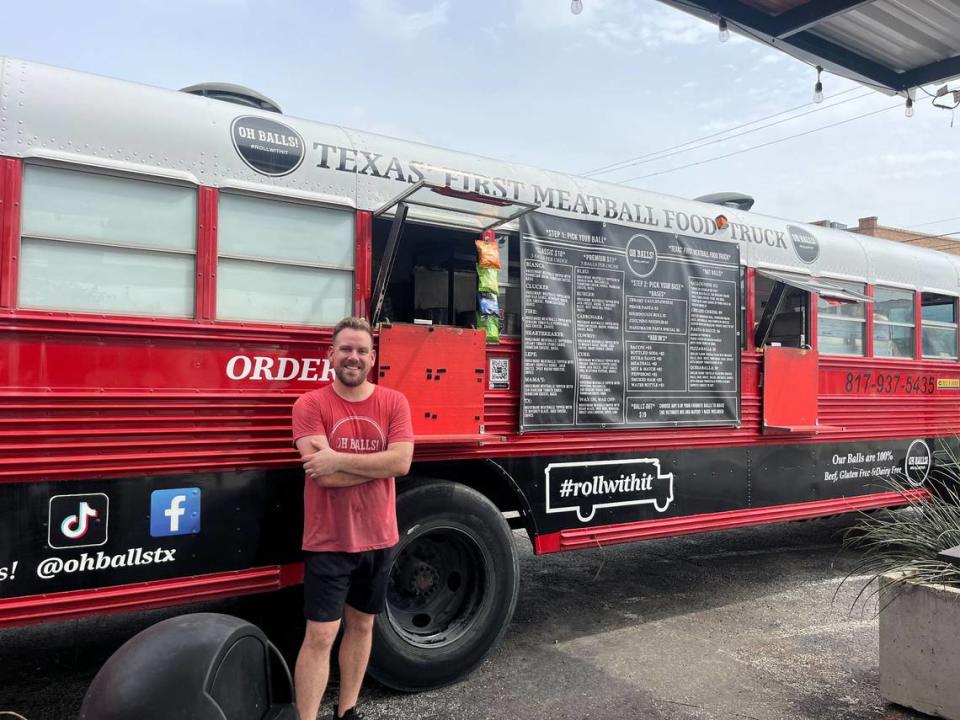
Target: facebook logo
[174,512]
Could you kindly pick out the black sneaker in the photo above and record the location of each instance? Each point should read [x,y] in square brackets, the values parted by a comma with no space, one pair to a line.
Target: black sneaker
[350,714]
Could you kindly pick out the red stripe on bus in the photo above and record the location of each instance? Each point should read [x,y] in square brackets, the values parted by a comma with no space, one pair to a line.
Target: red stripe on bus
[208,200]
[669,527]
[363,263]
[141,596]
[10,189]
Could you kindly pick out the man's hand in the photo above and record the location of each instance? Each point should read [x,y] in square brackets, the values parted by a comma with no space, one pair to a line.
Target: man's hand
[325,461]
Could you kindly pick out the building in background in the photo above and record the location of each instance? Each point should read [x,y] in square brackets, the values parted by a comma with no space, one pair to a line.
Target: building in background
[870,226]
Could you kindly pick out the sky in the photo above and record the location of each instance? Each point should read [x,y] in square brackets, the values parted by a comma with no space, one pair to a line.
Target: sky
[529,82]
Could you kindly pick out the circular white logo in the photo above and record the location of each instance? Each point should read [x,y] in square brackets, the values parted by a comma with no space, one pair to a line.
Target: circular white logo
[916,465]
[641,255]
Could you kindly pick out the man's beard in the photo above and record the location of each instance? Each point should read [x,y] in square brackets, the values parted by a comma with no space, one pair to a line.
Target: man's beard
[350,381]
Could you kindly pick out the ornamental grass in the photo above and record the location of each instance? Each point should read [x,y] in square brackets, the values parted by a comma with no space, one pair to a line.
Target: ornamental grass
[902,544]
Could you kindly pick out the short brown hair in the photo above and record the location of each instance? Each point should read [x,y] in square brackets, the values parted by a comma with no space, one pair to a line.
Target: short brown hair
[352,323]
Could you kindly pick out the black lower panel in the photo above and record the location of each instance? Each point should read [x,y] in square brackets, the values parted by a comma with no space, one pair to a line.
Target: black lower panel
[590,490]
[92,533]
[69,535]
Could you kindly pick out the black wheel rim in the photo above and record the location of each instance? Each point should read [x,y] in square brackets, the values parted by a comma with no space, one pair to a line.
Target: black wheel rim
[437,586]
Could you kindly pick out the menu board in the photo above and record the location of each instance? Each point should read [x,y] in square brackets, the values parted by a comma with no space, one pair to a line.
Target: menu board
[625,327]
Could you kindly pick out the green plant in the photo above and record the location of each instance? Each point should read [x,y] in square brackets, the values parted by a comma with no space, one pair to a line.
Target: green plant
[903,543]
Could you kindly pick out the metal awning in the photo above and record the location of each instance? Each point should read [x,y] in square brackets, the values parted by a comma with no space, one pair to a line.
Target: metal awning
[781,281]
[446,205]
[894,45]
[824,288]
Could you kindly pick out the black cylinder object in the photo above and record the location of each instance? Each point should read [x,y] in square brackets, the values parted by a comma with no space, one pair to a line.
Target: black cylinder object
[199,666]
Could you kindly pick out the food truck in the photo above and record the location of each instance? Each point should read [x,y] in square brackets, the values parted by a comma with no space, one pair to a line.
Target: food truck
[638,366]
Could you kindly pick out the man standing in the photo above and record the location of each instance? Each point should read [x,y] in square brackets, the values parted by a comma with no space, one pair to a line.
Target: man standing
[354,437]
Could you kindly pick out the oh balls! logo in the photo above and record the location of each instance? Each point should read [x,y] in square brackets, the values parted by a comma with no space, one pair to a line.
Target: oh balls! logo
[267,146]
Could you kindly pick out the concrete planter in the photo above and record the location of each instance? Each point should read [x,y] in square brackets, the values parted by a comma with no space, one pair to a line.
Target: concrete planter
[920,647]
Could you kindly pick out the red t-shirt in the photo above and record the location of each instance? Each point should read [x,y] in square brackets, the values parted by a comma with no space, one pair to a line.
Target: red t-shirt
[362,517]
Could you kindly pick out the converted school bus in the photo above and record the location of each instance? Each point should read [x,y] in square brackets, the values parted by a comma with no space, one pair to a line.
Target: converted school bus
[171,266]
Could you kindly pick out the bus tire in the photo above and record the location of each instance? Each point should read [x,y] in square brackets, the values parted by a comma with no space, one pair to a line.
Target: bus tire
[452,591]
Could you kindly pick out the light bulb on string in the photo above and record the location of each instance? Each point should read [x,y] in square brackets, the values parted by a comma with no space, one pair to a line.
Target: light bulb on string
[576,7]
[818,88]
[909,109]
[724,31]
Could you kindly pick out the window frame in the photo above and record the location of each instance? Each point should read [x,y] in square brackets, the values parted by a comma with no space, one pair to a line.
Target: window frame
[118,174]
[938,324]
[912,292]
[353,270]
[863,289]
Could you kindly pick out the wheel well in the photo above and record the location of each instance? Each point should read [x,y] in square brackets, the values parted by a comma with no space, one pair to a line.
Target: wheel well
[486,477]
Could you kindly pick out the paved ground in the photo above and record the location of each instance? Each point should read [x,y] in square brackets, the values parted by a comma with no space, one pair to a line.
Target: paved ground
[742,624]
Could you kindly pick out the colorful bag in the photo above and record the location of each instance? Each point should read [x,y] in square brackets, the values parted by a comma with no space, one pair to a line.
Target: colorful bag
[490,324]
[488,280]
[487,304]
[488,252]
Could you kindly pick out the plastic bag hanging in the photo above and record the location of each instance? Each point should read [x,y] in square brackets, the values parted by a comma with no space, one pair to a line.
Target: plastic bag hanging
[488,251]
[490,324]
[488,280]
[488,304]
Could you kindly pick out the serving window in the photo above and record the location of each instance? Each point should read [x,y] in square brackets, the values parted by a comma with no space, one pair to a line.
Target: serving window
[783,302]
[789,312]
[427,269]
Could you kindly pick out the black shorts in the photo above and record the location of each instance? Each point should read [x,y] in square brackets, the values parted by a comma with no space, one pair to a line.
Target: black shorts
[332,579]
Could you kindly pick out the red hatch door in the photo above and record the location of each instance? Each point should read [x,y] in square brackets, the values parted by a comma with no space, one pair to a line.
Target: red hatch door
[441,370]
[790,385]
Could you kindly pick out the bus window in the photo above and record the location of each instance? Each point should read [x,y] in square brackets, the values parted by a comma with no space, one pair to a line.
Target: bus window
[892,322]
[841,326]
[938,328]
[434,276]
[106,244]
[791,324]
[283,262]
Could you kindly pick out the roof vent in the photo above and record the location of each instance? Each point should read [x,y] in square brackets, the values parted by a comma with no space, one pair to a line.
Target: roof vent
[238,94]
[735,200]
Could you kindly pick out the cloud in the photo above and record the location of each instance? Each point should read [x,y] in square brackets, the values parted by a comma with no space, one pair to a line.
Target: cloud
[388,17]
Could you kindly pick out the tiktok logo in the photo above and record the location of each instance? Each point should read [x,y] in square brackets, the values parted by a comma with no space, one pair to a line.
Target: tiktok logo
[77,521]
[76,526]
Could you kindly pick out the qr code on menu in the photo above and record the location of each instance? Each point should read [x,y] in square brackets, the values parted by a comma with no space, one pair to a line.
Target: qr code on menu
[499,373]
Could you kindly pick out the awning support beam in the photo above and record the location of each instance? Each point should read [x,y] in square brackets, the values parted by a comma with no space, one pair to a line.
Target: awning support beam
[386,264]
[770,310]
[806,16]
[934,72]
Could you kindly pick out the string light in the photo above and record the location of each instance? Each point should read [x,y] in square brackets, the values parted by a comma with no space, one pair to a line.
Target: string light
[818,88]
[724,32]
[576,7]
[909,110]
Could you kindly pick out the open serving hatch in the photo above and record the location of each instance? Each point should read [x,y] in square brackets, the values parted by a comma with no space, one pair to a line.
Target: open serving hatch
[791,375]
[441,205]
[441,369]
[783,280]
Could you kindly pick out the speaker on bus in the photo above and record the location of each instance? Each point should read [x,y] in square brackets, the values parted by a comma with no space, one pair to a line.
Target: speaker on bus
[198,666]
